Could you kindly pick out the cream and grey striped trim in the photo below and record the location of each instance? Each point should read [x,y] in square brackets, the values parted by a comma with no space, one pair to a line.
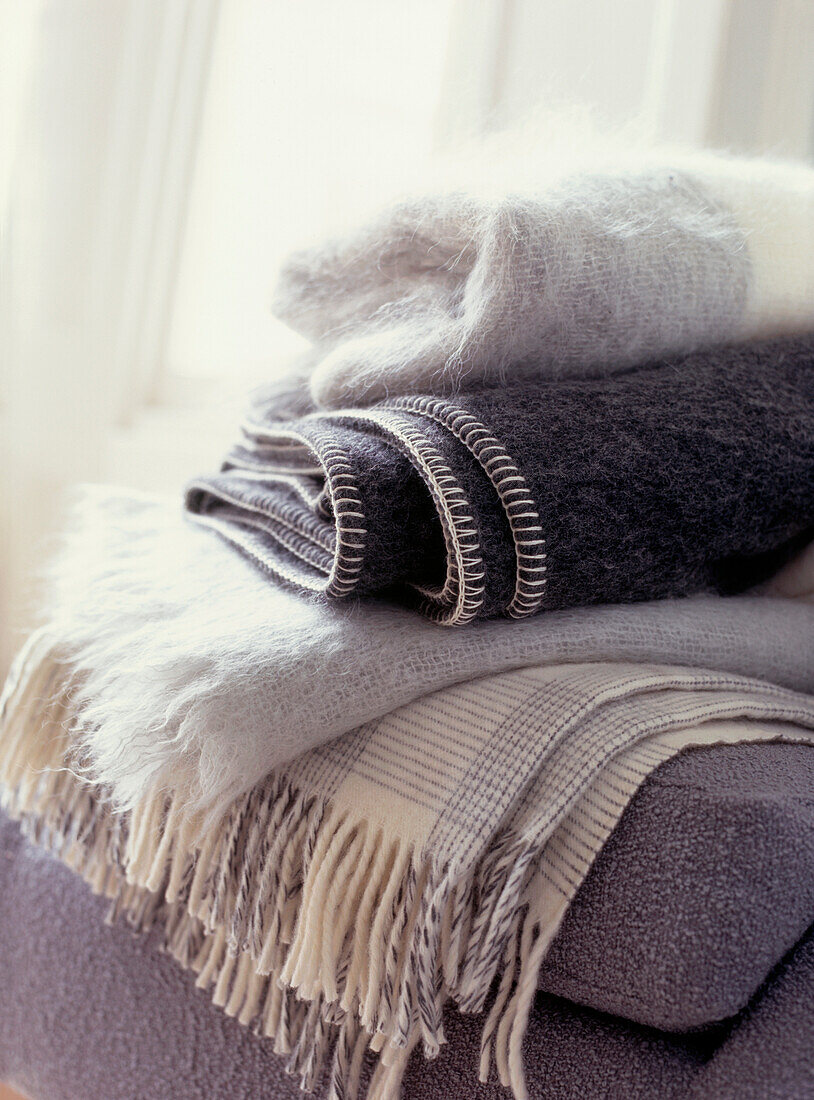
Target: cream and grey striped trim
[289,453]
[314,914]
[510,485]
[309,488]
[337,552]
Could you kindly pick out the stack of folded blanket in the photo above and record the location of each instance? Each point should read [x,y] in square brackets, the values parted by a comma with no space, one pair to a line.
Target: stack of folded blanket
[530,519]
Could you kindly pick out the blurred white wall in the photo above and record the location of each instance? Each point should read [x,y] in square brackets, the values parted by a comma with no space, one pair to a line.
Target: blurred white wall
[54,388]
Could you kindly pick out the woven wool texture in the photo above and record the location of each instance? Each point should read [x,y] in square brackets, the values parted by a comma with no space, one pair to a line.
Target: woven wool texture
[688,476]
[195,673]
[432,853]
[338,903]
[555,272]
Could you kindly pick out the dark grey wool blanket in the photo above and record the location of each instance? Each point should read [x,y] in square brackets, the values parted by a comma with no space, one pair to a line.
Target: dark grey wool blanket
[686,476]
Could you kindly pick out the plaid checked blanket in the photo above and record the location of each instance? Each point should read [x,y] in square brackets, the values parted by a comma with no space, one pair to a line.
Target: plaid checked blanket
[427,856]
[684,477]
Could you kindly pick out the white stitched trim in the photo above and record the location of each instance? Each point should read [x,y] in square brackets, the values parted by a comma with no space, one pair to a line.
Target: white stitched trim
[461,597]
[349,517]
[458,601]
[510,485]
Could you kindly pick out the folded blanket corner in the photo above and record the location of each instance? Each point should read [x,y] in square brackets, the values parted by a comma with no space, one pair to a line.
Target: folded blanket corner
[681,477]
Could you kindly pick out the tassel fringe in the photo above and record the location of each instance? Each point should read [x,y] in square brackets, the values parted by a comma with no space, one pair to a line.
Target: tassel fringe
[309,926]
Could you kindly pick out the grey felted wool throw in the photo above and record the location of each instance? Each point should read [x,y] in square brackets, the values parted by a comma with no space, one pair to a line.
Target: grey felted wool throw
[686,476]
[555,269]
[426,857]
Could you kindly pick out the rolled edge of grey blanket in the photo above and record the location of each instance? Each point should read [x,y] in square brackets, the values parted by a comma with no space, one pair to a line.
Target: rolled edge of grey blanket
[324,536]
[682,477]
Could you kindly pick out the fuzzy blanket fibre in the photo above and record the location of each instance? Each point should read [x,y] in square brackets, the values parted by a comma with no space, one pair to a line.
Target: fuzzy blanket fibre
[427,856]
[336,903]
[694,475]
[191,671]
[554,268]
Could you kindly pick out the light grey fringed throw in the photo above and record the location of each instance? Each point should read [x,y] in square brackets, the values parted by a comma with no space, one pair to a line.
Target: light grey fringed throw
[428,855]
[194,672]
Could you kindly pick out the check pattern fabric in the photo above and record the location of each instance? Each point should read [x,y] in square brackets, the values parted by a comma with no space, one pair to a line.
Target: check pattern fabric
[428,856]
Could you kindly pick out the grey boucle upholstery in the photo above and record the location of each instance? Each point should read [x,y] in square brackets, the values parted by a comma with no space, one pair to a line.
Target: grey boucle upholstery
[679,929]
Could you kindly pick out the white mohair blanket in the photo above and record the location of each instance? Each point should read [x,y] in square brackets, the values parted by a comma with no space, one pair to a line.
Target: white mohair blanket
[555,269]
[191,672]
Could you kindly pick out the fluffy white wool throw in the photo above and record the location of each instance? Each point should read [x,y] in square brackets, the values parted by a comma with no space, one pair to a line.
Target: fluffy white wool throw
[427,856]
[191,672]
[336,901]
[556,270]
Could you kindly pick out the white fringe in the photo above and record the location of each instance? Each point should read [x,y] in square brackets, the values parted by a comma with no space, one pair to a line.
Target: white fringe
[306,925]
